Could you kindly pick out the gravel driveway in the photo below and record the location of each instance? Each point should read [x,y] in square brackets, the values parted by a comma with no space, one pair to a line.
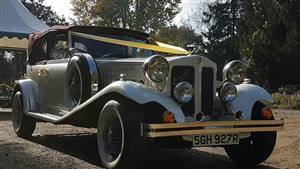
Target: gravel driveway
[64,146]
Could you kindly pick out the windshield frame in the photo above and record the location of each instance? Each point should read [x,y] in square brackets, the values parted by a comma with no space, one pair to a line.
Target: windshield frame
[144,53]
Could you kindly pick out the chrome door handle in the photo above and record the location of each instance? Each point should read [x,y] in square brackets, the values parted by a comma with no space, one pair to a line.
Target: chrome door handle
[43,72]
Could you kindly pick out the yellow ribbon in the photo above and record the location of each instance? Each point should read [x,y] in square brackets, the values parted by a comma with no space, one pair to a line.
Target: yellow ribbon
[160,47]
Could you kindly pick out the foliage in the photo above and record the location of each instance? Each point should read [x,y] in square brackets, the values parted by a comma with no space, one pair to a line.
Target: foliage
[263,33]
[44,13]
[270,39]
[282,101]
[179,36]
[138,15]
[12,65]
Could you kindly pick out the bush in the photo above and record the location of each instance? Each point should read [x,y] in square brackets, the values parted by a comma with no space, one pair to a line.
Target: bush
[283,101]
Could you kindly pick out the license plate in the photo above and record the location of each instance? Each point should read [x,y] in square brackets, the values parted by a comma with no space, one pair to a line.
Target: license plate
[216,139]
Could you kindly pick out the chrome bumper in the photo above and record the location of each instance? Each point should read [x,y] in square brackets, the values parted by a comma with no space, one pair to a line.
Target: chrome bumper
[212,127]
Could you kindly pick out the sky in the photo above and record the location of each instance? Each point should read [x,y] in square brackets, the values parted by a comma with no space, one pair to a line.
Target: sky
[188,6]
[64,7]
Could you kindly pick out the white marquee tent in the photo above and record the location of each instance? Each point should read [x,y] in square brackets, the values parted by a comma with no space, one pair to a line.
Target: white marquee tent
[16,23]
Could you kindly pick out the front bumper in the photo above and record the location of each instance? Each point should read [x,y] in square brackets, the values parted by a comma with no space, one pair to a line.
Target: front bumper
[211,127]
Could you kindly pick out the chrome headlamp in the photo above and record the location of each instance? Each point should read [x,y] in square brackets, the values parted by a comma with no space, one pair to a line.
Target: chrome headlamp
[156,68]
[183,92]
[228,92]
[235,72]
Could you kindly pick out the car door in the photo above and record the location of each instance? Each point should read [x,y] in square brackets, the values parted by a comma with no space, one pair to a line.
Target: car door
[51,75]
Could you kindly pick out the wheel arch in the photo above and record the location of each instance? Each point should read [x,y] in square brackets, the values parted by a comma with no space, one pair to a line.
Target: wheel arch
[142,95]
[29,90]
[248,95]
[152,111]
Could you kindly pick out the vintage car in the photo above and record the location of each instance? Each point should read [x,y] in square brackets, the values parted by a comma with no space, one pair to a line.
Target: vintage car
[140,93]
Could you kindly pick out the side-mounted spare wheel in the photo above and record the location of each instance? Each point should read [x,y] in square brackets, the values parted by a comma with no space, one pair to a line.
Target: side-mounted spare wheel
[256,148]
[23,125]
[81,79]
[119,140]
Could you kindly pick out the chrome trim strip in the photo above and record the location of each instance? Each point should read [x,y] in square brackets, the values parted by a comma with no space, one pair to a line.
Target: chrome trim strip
[210,131]
[185,129]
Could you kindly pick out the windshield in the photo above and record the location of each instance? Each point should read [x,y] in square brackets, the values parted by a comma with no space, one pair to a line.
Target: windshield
[107,50]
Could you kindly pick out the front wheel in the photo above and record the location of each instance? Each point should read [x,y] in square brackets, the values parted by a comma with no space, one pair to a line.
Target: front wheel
[23,125]
[119,141]
[255,149]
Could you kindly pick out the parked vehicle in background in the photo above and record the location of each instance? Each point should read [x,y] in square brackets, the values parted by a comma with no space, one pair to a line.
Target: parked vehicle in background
[111,79]
[5,95]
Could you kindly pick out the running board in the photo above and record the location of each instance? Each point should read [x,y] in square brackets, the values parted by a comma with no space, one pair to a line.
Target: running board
[45,116]
[211,127]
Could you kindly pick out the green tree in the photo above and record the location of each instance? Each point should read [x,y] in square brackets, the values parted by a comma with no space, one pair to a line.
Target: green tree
[138,15]
[270,41]
[179,36]
[263,33]
[43,12]
[219,27]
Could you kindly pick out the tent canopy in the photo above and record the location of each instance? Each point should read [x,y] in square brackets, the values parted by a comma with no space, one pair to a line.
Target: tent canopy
[16,23]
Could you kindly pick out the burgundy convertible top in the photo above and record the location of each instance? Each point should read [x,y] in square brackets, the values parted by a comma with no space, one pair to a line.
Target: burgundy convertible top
[83,29]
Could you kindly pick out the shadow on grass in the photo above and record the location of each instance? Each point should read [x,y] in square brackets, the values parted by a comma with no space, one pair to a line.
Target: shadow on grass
[80,145]
[84,146]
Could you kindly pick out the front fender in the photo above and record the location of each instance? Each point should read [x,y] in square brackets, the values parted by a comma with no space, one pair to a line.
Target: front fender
[29,89]
[136,92]
[143,94]
[247,96]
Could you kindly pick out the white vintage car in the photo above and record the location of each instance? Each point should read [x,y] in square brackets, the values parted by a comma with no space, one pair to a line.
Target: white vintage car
[113,80]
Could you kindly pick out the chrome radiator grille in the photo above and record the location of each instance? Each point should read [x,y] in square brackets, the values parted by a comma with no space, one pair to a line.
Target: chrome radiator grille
[187,74]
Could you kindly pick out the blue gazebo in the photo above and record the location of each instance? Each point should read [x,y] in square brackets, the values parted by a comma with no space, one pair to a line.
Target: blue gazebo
[16,23]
